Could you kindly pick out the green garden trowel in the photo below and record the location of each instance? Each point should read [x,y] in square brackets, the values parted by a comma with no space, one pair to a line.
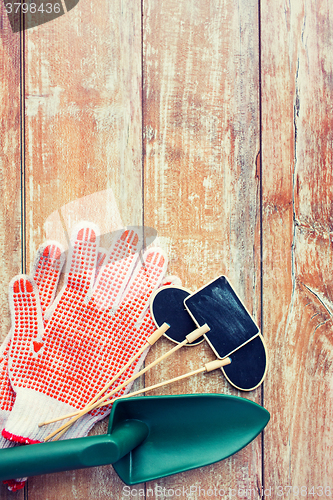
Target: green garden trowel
[149,438]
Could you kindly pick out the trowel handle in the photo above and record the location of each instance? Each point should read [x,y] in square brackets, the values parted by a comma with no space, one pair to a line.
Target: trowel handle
[57,456]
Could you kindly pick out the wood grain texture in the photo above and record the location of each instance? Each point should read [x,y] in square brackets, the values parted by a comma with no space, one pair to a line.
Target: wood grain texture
[83,111]
[10,163]
[297,223]
[192,173]
[10,176]
[201,141]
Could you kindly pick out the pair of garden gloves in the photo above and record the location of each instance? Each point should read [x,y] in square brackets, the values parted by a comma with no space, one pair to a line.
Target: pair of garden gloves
[61,351]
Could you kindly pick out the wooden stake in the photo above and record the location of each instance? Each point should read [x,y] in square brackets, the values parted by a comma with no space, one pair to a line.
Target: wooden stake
[191,337]
[208,367]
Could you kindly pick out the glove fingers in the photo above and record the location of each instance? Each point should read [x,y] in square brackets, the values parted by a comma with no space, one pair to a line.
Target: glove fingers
[127,335]
[100,261]
[146,278]
[81,263]
[26,314]
[46,271]
[126,321]
[116,272]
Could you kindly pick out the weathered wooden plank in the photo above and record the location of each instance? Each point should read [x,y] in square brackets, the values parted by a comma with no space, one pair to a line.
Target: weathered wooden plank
[83,110]
[10,172]
[201,142]
[297,70]
[83,135]
[10,163]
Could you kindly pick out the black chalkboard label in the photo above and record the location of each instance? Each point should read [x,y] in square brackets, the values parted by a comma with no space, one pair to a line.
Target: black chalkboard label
[217,304]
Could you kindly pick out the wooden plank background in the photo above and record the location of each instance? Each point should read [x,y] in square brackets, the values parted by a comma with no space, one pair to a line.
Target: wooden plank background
[297,100]
[211,121]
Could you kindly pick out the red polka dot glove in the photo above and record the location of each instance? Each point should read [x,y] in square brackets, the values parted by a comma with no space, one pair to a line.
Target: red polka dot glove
[92,330]
[46,272]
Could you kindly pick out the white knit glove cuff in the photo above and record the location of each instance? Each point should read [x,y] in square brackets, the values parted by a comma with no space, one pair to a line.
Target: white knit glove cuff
[30,409]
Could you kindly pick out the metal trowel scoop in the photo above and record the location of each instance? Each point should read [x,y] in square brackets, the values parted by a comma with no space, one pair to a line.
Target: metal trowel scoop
[149,438]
